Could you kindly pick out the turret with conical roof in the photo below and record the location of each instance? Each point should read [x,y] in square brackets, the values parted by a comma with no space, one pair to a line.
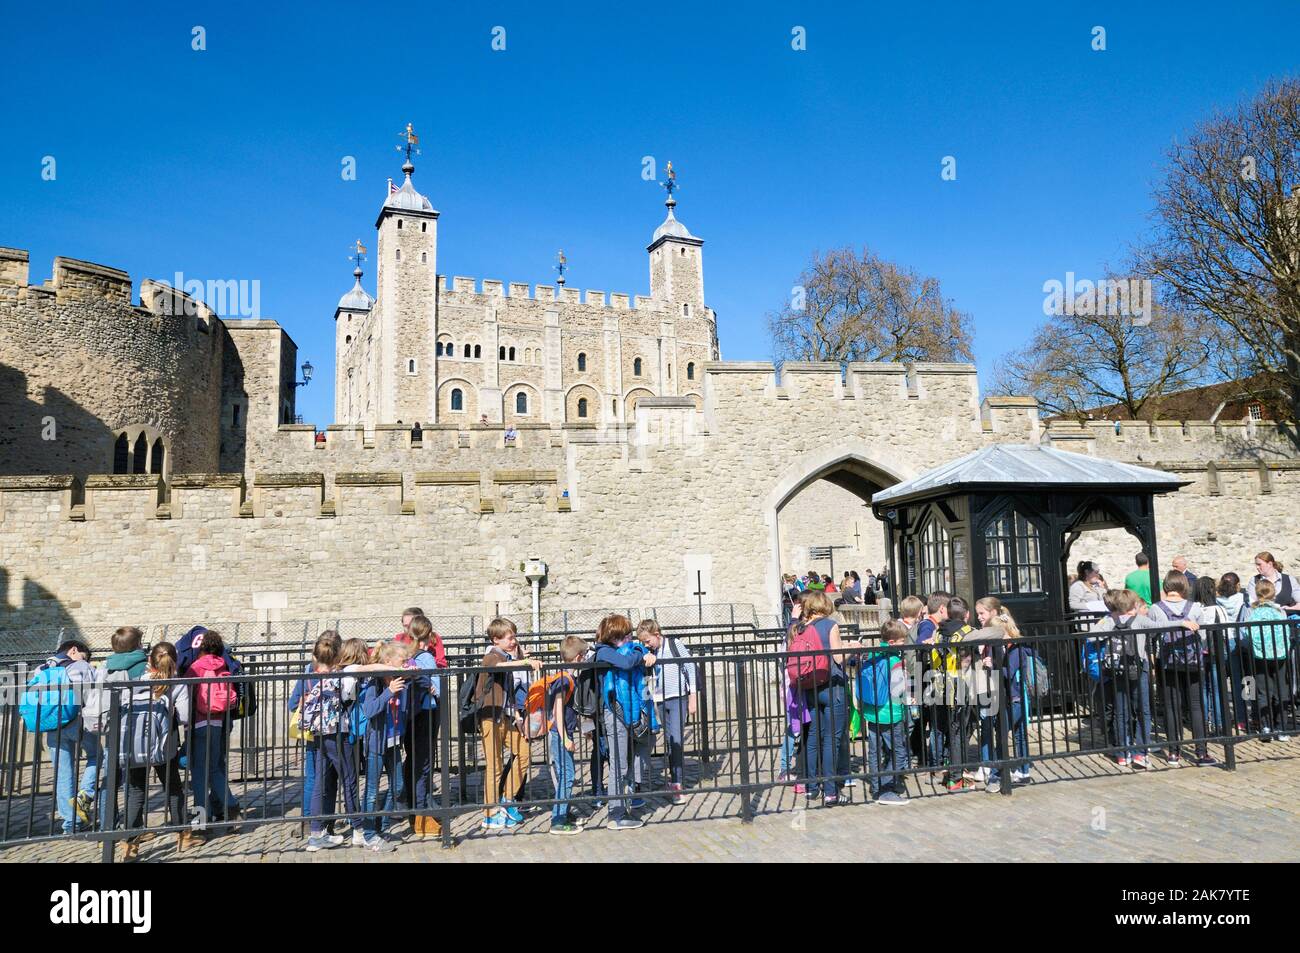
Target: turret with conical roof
[676,260]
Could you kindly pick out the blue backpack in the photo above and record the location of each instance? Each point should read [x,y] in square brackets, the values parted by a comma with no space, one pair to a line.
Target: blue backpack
[873,681]
[1092,656]
[50,700]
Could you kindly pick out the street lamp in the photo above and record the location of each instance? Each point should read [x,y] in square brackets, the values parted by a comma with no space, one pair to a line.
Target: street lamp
[307,370]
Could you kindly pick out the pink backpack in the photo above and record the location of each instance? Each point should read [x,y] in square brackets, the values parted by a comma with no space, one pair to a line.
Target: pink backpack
[216,697]
[808,665]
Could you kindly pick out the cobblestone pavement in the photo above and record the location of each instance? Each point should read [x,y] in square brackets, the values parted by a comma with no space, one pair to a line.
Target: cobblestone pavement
[1078,810]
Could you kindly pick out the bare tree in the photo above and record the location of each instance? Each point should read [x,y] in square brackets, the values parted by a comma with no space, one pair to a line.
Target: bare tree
[1227,240]
[851,306]
[1095,355]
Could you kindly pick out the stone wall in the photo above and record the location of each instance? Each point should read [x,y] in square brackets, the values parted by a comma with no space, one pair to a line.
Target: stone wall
[79,365]
[356,529]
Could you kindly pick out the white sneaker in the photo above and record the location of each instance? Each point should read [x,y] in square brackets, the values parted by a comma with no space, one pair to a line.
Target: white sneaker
[979,774]
[1283,737]
[358,838]
[1021,776]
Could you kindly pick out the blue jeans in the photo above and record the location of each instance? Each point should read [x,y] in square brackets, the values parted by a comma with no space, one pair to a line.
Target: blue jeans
[207,757]
[334,767]
[1133,714]
[1019,743]
[63,744]
[562,773]
[388,761]
[787,750]
[312,752]
[823,738]
[887,751]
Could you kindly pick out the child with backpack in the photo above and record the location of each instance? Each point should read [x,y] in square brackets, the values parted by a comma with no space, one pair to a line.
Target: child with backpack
[324,703]
[1183,667]
[150,733]
[215,700]
[328,642]
[560,725]
[1128,675]
[1025,678]
[1269,647]
[384,705]
[53,702]
[882,691]
[422,738]
[950,673]
[500,699]
[815,669]
[675,695]
[629,719]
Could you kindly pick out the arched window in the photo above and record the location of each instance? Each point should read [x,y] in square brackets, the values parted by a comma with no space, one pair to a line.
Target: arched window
[122,453]
[512,354]
[582,407]
[399,223]
[521,404]
[582,362]
[457,399]
[140,455]
[348,339]
[159,455]
[440,349]
[686,311]
[636,367]
[399,254]
[424,257]
[935,572]
[410,366]
[528,355]
[502,355]
[467,350]
[690,371]
[1012,554]
[670,372]
[478,350]
[451,349]
[424,226]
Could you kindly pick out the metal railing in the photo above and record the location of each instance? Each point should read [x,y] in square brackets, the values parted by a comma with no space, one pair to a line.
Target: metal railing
[979,712]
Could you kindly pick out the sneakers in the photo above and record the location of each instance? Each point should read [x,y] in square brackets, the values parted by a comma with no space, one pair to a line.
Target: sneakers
[851,782]
[993,787]
[626,824]
[513,813]
[1174,761]
[678,797]
[378,844]
[1140,762]
[319,841]
[358,838]
[1022,776]
[978,774]
[1204,761]
[830,800]
[1283,737]
[801,789]
[499,821]
[564,829]
[892,797]
[637,803]
[955,784]
[84,805]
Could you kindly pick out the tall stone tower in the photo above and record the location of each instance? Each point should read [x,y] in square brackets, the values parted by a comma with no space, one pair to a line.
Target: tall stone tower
[350,321]
[677,261]
[407,300]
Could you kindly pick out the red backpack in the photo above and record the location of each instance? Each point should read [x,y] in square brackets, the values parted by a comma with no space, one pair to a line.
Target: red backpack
[808,665]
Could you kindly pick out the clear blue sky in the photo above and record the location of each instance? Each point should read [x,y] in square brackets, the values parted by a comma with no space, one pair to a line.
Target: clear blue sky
[226,163]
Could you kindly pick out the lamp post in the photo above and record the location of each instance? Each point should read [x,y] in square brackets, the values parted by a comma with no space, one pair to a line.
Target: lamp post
[307,370]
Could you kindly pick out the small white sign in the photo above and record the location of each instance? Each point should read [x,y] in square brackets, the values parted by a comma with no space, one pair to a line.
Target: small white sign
[699,577]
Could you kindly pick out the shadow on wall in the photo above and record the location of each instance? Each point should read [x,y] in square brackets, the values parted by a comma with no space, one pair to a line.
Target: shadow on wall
[38,623]
[53,436]
[233,449]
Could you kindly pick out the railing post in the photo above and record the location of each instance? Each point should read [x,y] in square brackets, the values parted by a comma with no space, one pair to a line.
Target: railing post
[1004,715]
[1227,699]
[444,716]
[111,755]
[742,716]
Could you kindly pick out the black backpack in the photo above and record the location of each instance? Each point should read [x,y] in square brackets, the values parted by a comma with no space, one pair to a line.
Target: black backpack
[470,704]
[586,693]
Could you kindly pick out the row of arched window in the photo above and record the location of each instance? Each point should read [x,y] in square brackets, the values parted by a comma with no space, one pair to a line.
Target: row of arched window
[449,350]
[534,356]
[139,455]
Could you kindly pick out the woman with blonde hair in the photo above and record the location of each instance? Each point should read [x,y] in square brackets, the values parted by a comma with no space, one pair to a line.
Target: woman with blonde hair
[823,734]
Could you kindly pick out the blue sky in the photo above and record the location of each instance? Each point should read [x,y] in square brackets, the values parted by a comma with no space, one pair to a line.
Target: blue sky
[226,163]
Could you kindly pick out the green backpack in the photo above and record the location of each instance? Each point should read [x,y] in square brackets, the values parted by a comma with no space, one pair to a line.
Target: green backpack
[1269,642]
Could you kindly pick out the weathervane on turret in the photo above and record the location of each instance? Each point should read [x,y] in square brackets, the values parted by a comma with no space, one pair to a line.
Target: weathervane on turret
[670,185]
[410,142]
[560,264]
[358,255]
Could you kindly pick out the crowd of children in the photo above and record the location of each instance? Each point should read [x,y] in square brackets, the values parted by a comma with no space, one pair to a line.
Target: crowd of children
[927,691]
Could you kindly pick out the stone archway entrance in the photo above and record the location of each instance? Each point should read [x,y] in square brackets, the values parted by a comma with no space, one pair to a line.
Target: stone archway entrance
[851,467]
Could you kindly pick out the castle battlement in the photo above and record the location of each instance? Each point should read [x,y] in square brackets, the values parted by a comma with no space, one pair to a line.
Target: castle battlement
[506,292]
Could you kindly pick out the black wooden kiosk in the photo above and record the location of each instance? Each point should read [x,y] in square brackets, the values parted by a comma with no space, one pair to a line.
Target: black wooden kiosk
[1001,522]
